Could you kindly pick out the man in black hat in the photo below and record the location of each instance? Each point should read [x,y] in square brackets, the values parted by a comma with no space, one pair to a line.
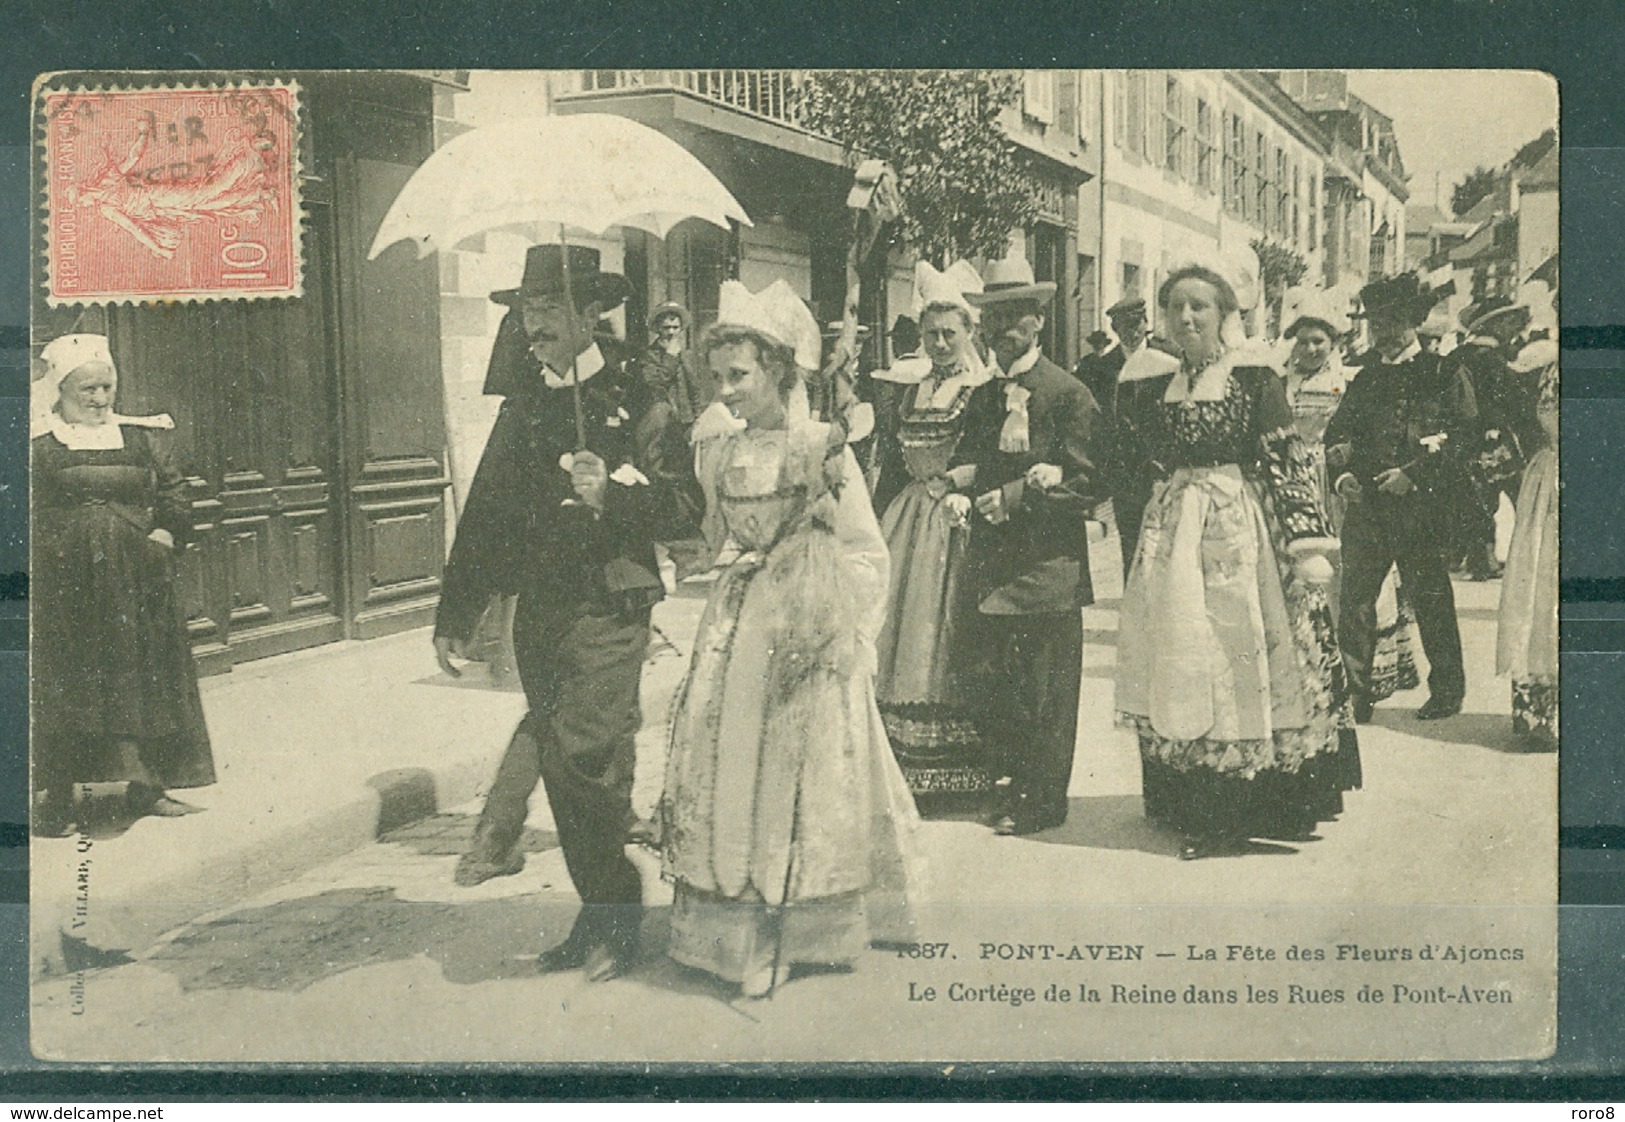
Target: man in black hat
[678,387]
[1098,369]
[1030,556]
[1131,474]
[1497,460]
[1393,447]
[571,532]
[905,337]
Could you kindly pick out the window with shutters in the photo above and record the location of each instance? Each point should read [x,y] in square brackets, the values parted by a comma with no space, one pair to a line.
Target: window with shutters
[1205,145]
[1173,127]
[1134,113]
[1261,181]
[1235,165]
[1282,213]
[1038,95]
[1295,230]
[1314,212]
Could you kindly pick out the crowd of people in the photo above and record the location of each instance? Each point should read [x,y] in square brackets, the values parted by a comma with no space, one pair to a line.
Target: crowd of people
[894,622]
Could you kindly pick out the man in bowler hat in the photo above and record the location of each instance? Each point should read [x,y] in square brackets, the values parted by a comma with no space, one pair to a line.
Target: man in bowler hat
[1394,448]
[1030,557]
[570,531]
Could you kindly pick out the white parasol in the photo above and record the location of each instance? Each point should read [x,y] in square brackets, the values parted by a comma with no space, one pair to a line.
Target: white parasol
[586,172]
[545,177]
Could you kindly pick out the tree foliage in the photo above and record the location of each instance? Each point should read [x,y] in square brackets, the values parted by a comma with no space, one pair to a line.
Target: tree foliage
[965,184]
[1533,152]
[1467,194]
[1279,267]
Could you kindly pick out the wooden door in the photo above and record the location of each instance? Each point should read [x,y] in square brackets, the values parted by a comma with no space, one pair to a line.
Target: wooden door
[392,401]
[251,387]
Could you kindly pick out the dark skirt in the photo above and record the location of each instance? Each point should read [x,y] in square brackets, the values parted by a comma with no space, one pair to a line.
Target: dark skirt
[111,659]
[1272,803]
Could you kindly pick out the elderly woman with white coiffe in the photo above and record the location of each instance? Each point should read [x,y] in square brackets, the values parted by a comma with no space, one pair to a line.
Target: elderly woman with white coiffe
[115,694]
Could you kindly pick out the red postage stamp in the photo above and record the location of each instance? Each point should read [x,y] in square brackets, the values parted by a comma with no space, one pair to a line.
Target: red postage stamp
[184,193]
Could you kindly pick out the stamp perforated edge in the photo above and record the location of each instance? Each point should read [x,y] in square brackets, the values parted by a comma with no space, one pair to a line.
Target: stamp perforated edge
[60,83]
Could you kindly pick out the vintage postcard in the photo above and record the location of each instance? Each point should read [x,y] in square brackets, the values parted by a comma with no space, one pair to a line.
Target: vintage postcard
[717,566]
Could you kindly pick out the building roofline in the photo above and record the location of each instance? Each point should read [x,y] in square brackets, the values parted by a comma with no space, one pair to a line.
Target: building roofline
[1264,91]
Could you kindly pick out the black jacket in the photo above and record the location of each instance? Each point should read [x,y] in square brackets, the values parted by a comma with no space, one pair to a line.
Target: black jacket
[1038,561]
[521,533]
[1390,415]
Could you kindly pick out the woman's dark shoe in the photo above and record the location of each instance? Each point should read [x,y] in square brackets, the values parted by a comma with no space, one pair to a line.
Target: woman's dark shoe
[153,802]
[1027,819]
[1364,707]
[52,823]
[1194,849]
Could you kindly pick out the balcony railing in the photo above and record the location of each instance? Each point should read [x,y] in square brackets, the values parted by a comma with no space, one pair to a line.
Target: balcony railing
[765,93]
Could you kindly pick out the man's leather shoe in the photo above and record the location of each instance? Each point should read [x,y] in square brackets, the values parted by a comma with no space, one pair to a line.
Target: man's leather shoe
[1437,708]
[1364,707]
[473,869]
[603,963]
[572,954]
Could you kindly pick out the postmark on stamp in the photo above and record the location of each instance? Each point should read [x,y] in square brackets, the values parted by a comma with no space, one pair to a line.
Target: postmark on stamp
[176,193]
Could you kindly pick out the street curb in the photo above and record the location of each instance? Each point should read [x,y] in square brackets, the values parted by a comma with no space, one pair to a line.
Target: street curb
[218,882]
[278,849]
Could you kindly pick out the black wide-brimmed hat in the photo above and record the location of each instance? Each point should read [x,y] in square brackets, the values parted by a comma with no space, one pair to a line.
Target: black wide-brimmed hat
[1097,338]
[1403,295]
[544,276]
[1499,312]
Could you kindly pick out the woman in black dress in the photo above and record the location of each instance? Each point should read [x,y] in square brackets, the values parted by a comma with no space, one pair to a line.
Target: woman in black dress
[115,694]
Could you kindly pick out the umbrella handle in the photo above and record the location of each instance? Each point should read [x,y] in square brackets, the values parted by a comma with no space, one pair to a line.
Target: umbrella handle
[575,374]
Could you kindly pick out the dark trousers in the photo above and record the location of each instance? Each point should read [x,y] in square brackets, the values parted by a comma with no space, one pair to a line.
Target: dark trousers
[1378,533]
[1029,708]
[1128,513]
[1475,522]
[581,675]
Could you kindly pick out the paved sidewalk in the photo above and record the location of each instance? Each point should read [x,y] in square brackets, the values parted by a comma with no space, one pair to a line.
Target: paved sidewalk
[318,753]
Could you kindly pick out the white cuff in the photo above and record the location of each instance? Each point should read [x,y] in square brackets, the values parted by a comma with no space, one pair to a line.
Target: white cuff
[1322,546]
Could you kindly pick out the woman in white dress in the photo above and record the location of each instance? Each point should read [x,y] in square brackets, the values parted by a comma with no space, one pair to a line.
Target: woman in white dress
[786,823]
[1526,645]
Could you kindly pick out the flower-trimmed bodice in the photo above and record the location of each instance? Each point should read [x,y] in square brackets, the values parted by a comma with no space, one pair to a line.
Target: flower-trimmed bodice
[1248,423]
[930,434]
[759,498]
